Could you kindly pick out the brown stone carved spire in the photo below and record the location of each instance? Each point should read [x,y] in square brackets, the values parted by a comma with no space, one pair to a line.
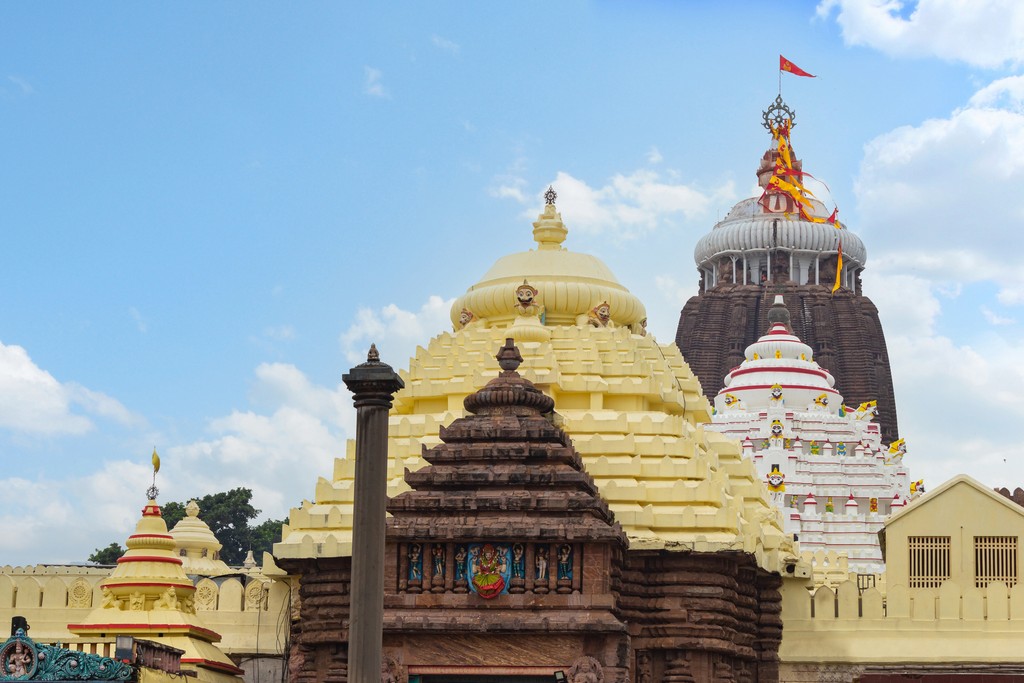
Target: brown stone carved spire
[505,516]
[508,471]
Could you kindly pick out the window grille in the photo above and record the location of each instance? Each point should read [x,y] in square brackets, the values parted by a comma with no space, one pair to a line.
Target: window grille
[929,561]
[995,559]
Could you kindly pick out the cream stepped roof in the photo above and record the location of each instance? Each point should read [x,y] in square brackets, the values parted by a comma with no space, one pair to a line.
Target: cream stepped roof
[632,407]
[198,548]
[149,596]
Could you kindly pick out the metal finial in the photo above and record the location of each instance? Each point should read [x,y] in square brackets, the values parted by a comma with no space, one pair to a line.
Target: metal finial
[373,356]
[550,196]
[777,114]
[152,492]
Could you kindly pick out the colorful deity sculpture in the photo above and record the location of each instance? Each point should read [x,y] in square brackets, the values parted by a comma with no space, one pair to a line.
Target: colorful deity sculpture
[488,566]
[829,505]
[776,483]
[600,315]
[526,301]
[465,318]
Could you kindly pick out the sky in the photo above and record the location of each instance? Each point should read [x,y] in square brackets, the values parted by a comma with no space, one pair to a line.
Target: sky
[209,210]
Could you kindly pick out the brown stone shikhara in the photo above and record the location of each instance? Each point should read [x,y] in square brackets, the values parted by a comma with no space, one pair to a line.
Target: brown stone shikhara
[717,325]
[506,475]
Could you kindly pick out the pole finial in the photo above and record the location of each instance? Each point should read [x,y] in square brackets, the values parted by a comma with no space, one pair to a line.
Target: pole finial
[373,356]
[152,492]
[550,196]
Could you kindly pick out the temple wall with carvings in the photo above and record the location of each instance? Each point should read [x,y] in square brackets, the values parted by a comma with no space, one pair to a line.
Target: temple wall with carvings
[249,610]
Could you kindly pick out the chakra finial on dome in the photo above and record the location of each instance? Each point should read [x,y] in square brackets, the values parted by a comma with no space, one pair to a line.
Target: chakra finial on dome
[548,229]
[777,114]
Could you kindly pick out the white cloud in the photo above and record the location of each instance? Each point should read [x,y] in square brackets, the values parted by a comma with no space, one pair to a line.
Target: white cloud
[633,204]
[23,85]
[983,33]
[280,333]
[140,322]
[654,156]
[85,512]
[941,199]
[395,331]
[373,85]
[509,187]
[32,401]
[936,375]
[445,44]
[995,318]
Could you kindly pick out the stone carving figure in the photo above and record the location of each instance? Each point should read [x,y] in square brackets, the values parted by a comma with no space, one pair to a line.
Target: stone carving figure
[19,661]
[415,562]
[518,562]
[465,317]
[643,667]
[438,555]
[488,566]
[565,561]
[526,301]
[586,670]
[600,315]
[390,670]
[542,564]
[460,563]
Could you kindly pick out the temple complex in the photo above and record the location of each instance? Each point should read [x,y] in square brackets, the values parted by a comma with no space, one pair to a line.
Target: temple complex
[565,504]
[775,244]
[664,519]
[824,464]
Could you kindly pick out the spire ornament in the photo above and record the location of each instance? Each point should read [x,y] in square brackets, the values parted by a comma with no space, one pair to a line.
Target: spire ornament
[777,114]
[550,196]
[152,492]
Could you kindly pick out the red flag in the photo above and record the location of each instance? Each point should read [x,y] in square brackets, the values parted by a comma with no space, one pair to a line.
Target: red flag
[786,65]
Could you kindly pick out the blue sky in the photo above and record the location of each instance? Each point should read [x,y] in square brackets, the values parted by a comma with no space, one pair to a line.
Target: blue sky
[208,211]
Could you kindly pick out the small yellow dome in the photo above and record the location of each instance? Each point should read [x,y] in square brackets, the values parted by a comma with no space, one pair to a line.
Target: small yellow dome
[569,285]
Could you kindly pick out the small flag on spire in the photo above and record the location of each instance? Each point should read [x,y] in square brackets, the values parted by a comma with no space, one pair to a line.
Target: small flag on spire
[786,65]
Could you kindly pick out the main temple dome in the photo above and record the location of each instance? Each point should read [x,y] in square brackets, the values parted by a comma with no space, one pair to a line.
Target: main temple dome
[787,242]
[750,227]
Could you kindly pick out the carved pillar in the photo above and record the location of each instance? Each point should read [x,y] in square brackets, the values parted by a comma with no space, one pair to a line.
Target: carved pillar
[373,384]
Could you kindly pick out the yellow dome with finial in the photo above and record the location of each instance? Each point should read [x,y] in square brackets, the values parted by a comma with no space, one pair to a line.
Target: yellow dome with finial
[569,284]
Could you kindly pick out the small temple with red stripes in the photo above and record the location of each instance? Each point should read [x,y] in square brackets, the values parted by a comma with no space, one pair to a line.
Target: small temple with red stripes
[149,596]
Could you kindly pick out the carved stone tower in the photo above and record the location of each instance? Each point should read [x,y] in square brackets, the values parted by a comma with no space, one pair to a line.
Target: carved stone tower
[774,244]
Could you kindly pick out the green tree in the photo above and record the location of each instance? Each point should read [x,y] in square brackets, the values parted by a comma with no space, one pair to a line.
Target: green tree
[107,555]
[228,515]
